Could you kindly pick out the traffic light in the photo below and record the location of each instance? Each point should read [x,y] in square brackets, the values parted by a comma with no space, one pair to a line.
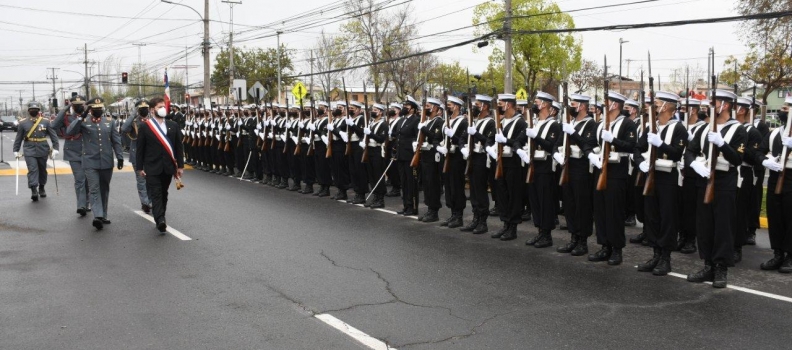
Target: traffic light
[124,78]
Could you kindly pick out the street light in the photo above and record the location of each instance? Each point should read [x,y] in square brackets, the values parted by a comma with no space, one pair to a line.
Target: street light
[205,19]
[621,41]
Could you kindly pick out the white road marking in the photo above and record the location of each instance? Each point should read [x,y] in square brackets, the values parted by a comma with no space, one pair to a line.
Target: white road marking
[170,230]
[743,289]
[387,211]
[363,338]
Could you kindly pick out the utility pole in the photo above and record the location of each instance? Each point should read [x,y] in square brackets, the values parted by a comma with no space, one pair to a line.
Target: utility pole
[87,81]
[278,33]
[20,102]
[140,70]
[206,83]
[621,42]
[507,38]
[34,90]
[54,105]
[232,73]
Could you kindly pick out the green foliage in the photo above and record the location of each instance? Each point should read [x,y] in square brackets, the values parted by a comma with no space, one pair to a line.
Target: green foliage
[253,65]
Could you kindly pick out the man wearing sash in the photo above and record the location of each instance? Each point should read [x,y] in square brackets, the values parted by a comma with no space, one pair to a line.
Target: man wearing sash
[160,157]
[34,130]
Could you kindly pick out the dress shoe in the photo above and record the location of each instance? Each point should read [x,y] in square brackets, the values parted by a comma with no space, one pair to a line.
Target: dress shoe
[431,216]
[751,240]
[379,202]
[545,240]
[786,267]
[581,248]
[774,263]
[34,195]
[42,193]
[98,224]
[689,247]
[308,189]
[533,240]
[494,211]
[616,257]
[602,255]
[567,248]
[394,192]
[146,208]
[456,221]
[105,221]
[472,226]
[324,192]
[409,212]
[295,187]
[162,227]
[706,274]
[482,227]
[630,221]
[638,239]
[444,223]
[721,276]
[526,215]
[510,234]
[737,255]
[650,264]
[82,211]
[502,231]
[663,267]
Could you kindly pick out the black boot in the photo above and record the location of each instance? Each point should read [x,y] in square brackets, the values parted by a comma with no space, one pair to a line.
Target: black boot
[581,248]
[573,242]
[630,221]
[751,240]
[602,255]
[664,266]
[706,274]
[534,239]
[359,199]
[34,195]
[510,234]
[616,257]
[720,279]
[786,267]
[431,216]
[774,263]
[394,192]
[689,247]
[472,226]
[445,222]
[737,254]
[526,215]
[638,239]
[284,183]
[650,264]
[295,187]
[324,192]
[502,231]
[482,226]
[379,201]
[42,193]
[308,189]
[456,220]
[545,240]
[494,211]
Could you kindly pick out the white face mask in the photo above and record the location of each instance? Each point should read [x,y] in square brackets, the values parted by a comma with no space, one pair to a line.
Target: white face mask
[161,112]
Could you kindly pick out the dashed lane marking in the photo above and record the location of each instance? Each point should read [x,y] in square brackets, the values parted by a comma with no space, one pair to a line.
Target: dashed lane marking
[354,333]
[742,289]
[170,230]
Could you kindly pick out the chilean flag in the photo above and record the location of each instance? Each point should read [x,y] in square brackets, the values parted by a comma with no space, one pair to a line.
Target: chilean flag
[167,92]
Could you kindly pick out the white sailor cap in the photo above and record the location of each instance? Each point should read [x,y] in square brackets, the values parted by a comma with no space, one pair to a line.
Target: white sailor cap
[615,96]
[544,96]
[484,98]
[434,101]
[379,106]
[557,105]
[411,100]
[579,98]
[356,104]
[666,96]
[725,94]
[456,100]
[788,100]
[743,101]
[340,104]
[758,103]
[647,100]
[507,97]
[522,102]
[691,102]
[322,103]
[395,105]
[599,105]
[631,102]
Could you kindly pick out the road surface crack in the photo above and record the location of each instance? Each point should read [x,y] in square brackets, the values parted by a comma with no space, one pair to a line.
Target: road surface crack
[473,331]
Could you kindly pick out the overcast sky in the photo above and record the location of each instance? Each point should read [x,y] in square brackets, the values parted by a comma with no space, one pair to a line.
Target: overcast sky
[40,34]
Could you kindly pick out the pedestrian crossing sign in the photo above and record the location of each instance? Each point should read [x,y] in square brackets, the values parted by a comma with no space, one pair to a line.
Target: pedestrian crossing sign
[522,94]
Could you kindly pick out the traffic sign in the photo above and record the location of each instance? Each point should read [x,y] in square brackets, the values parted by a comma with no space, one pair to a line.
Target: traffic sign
[522,94]
[257,87]
[299,91]
[239,86]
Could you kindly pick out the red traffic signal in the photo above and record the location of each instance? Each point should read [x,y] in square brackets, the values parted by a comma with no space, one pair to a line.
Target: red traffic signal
[124,78]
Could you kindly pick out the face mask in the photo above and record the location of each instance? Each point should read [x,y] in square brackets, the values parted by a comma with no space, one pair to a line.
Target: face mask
[428,111]
[476,110]
[292,114]
[336,112]
[501,110]
[682,115]
[535,109]
[782,115]
[282,113]
[97,113]
[143,112]
[625,113]
[375,114]
[161,112]
[321,111]
[79,108]
[306,113]
[702,115]
[572,111]
[403,112]
[33,112]
[391,113]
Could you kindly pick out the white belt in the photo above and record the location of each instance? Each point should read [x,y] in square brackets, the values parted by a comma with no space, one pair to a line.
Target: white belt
[354,138]
[665,165]
[426,147]
[746,164]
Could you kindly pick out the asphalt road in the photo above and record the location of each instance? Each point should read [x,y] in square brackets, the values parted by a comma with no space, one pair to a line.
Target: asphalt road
[263,263]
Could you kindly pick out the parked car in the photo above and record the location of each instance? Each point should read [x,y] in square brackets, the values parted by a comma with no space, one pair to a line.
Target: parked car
[8,122]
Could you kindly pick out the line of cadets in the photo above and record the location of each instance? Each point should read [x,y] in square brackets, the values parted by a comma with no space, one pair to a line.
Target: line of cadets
[277,144]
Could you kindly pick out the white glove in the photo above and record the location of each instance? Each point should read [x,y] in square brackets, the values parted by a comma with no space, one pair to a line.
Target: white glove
[270,135]
[465,152]
[367,130]
[568,128]
[55,153]
[349,121]
[700,168]
[294,139]
[787,141]
[421,125]
[691,136]
[607,136]
[306,139]
[524,156]
[192,133]
[325,140]
[17,155]
[595,160]
[449,132]
[228,127]
[263,136]
[772,164]
[330,127]
[312,126]
[301,124]
[559,158]
[532,132]
[258,126]
[203,133]
[716,139]
[415,146]
[211,126]
[644,166]
[471,130]
[654,139]
[344,136]
[239,123]
[442,150]
[492,152]
[499,138]
[362,144]
[211,133]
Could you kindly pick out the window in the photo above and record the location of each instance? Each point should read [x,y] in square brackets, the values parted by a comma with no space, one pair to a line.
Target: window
[354,97]
[783,93]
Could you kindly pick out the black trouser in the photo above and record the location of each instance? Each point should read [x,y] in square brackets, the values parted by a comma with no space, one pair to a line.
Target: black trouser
[266,162]
[631,199]
[662,217]
[510,194]
[479,173]
[408,177]
[753,222]
[689,200]
[393,173]
[340,166]
[375,168]
[357,170]
[638,203]
[493,184]
[609,212]
[714,226]
[307,165]
[779,220]
[544,203]
[578,201]
[454,183]
[430,179]
[283,163]
[294,161]
[744,206]
[157,188]
[322,164]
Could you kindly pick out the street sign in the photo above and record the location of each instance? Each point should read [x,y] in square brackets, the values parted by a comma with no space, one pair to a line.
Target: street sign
[522,94]
[257,87]
[239,86]
[299,91]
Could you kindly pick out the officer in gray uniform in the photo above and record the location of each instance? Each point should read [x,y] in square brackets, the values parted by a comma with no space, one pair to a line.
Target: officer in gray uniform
[34,130]
[100,140]
[130,130]
[72,149]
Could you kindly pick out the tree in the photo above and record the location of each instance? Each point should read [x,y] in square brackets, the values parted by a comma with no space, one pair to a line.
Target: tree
[254,65]
[451,77]
[329,53]
[540,59]
[588,76]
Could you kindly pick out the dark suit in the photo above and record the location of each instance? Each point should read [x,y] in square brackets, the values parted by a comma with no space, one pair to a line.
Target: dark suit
[154,159]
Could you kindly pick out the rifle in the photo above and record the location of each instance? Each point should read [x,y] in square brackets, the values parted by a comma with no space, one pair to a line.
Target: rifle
[641,126]
[470,123]
[498,128]
[222,145]
[446,140]
[311,134]
[650,176]
[274,123]
[417,156]
[529,177]
[602,182]
[709,193]
[364,158]
[330,137]
[567,142]
[753,103]
[348,150]
[207,139]
[264,143]
[287,127]
[300,133]
[783,158]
